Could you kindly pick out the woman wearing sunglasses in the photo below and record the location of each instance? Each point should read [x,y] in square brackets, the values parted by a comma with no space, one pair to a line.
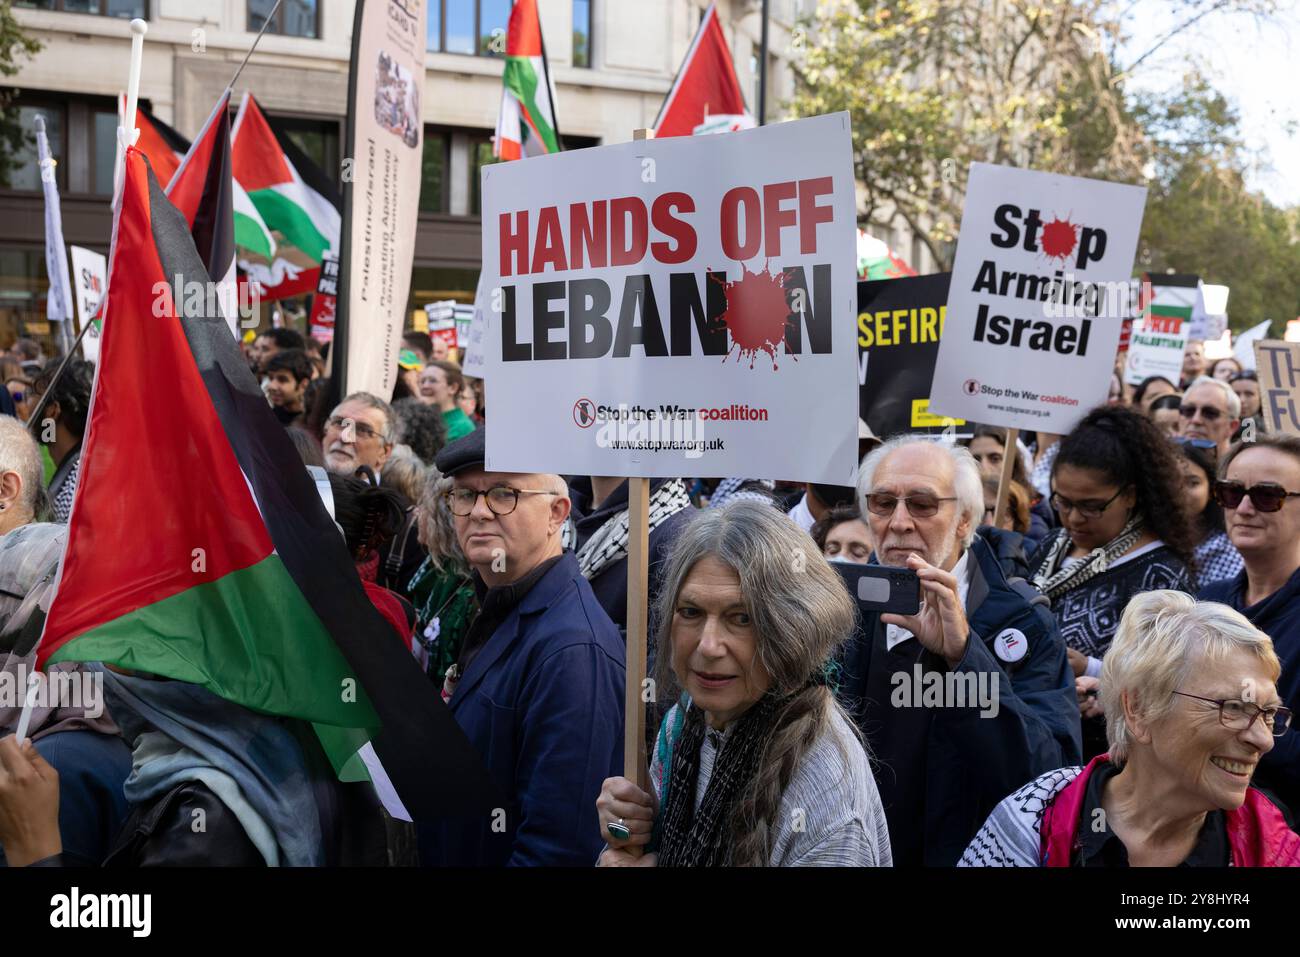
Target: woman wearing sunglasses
[1189,690]
[1215,557]
[1117,489]
[1259,489]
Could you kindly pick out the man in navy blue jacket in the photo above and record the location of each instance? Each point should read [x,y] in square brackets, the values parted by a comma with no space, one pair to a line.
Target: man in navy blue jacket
[538,687]
[1264,526]
[972,697]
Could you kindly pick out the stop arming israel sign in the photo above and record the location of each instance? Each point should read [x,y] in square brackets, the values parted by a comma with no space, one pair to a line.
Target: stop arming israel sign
[1040,289]
[676,307]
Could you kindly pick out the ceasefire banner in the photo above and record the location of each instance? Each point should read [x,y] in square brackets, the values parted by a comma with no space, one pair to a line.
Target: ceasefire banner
[676,306]
[1040,289]
[900,322]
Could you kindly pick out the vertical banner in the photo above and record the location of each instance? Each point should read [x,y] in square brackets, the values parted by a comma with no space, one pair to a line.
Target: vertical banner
[900,322]
[1279,384]
[58,301]
[676,306]
[89,278]
[1040,288]
[381,197]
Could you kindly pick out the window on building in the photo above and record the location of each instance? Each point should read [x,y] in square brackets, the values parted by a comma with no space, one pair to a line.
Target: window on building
[582,33]
[23,288]
[480,155]
[318,139]
[124,9]
[472,27]
[103,127]
[433,172]
[295,18]
[20,169]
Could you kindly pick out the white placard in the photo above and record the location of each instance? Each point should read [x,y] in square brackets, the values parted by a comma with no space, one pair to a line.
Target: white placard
[1040,287]
[89,281]
[1157,349]
[683,306]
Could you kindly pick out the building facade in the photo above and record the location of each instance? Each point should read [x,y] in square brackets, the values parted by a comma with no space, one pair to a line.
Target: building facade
[612,63]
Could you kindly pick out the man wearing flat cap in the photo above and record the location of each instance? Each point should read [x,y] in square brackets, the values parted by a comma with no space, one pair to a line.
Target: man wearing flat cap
[538,686]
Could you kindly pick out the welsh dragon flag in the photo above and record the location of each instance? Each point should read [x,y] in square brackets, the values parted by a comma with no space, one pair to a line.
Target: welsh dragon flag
[241,582]
[526,124]
[299,205]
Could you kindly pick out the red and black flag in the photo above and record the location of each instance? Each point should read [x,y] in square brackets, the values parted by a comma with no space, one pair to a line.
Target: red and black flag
[158,141]
[199,548]
[203,190]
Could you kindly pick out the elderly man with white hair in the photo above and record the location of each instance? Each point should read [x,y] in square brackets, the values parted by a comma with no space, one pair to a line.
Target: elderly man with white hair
[1190,694]
[22,493]
[969,697]
[1210,411]
[537,685]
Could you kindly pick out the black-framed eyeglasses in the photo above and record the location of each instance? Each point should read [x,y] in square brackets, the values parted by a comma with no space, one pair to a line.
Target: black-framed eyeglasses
[360,428]
[1265,496]
[1239,715]
[501,499]
[920,505]
[1087,510]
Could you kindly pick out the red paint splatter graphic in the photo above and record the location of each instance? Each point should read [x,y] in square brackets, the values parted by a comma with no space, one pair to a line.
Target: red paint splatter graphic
[1059,238]
[756,313]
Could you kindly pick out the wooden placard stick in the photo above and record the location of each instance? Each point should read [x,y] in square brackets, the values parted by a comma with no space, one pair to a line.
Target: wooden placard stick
[1009,453]
[638,621]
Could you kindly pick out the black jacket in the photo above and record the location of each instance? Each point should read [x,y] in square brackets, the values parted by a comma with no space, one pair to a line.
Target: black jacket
[972,761]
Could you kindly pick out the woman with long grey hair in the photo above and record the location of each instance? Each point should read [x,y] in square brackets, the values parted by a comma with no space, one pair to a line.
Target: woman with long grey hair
[441,589]
[756,765]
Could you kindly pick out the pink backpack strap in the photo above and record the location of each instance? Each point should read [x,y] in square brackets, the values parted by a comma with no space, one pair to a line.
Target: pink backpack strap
[1061,819]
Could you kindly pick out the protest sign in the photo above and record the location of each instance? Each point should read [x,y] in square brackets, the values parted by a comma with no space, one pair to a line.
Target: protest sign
[381,197]
[89,278]
[1243,351]
[472,361]
[1157,349]
[1278,363]
[325,302]
[678,306]
[900,322]
[1040,288]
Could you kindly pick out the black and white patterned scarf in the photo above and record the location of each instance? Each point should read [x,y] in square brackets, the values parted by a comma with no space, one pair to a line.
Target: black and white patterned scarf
[1054,578]
[608,543]
[691,837]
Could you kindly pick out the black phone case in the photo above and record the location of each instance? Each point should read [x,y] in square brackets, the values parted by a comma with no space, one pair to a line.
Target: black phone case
[904,587]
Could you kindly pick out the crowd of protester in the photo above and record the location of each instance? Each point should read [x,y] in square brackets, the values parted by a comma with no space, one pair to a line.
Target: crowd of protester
[1121,632]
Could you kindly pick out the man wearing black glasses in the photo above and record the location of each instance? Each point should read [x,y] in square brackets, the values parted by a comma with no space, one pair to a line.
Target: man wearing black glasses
[1210,410]
[1259,489]
[942,763]
[538,684]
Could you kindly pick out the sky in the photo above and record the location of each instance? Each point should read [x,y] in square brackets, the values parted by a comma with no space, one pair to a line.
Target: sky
[1255,63]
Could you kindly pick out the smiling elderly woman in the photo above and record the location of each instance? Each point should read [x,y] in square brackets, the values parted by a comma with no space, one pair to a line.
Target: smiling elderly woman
[756,765]
[1191,706]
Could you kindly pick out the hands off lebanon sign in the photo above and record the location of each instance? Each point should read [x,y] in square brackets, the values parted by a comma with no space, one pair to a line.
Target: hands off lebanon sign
[1040,289]
[677,306]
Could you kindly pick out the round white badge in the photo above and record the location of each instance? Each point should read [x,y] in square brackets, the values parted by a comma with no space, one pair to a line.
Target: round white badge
[1011,645]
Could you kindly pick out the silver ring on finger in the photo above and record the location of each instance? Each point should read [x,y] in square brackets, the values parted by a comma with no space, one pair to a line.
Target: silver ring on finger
[619,830]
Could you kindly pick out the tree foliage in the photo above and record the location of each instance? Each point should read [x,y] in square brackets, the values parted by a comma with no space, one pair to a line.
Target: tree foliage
[15,45]
[933,85]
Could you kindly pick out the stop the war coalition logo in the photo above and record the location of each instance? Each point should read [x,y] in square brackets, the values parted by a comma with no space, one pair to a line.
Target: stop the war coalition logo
[1039,291]
[663,299]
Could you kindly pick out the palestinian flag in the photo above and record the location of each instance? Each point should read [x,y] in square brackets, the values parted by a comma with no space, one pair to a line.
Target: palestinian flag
[203,190]
[705,86]
[300,206]
[877,261]
[526,124]
[199,549]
